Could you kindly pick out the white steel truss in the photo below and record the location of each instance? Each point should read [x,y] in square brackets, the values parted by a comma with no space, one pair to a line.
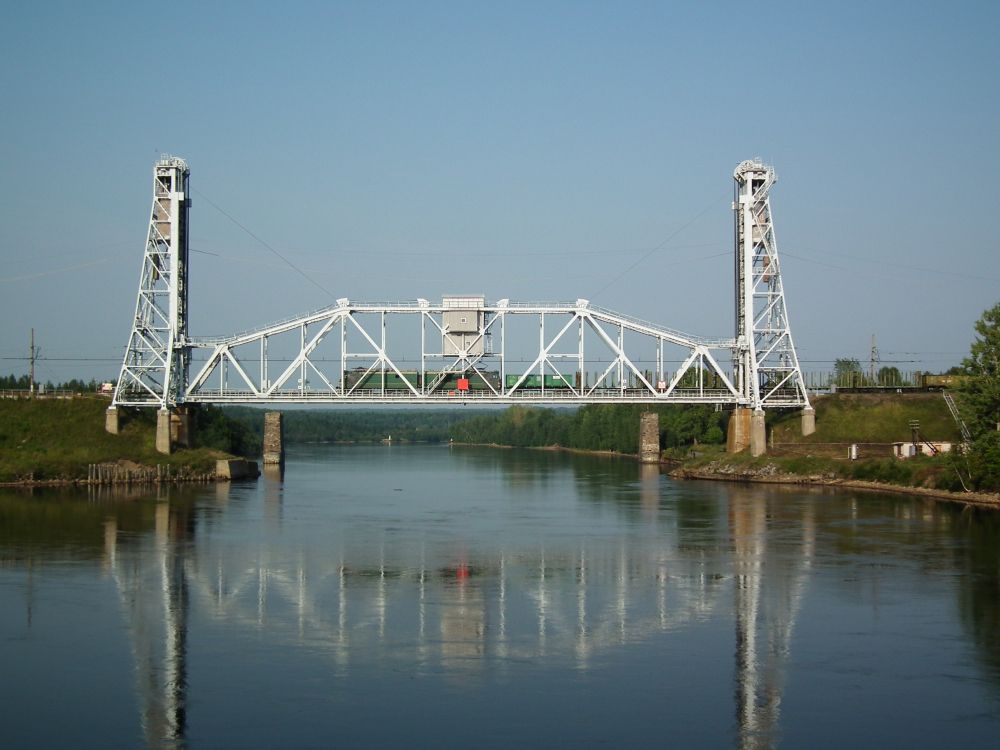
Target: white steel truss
[767,368]
[155,366]
[342,356]
[462,349]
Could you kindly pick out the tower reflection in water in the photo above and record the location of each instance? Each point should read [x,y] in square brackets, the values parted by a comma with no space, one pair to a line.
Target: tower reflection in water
[431,607]
[149,573]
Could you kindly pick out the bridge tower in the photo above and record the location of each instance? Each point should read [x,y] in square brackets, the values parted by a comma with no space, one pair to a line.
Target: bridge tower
[767,367]
[155,367]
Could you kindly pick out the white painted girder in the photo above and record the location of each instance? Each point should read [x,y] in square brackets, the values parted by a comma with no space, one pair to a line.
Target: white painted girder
[636,387]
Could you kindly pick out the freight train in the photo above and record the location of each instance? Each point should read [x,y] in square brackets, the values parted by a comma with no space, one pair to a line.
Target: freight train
[453,381]
[921,383]
[360,379]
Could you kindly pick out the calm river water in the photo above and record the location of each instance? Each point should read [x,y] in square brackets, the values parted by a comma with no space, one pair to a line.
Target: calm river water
[420,596]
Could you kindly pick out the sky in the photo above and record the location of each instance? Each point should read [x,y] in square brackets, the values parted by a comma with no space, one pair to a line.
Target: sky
[530,151]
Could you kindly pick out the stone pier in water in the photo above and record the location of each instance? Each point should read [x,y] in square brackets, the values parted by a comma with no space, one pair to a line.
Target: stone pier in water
[649,438]
[274,439]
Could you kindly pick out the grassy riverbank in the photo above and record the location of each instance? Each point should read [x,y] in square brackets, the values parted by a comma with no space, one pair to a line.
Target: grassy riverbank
[691,436]
[937,472]
[871,421]
[930,476]
[56,439]
[868,418]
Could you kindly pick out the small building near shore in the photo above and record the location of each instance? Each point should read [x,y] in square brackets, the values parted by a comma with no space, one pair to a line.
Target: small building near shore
[929,448]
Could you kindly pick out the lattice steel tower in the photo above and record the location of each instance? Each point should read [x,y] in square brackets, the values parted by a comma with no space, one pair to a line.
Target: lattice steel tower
[767,368]
[155,367]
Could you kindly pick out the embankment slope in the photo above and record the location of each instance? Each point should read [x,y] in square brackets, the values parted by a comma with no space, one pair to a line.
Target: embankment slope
[45,440]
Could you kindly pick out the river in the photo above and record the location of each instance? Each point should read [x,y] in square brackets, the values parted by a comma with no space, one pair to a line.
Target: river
[427,596]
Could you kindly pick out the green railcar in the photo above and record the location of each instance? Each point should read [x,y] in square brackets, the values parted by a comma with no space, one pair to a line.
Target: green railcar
[554,382]
[358,380]
[488,381]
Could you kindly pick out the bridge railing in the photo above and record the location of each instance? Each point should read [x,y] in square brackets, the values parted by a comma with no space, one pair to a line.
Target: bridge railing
[535,395]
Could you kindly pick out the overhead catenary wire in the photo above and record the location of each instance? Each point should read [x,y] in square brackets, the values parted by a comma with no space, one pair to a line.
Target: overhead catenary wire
[656,249]
[51,272]
[904,266]
[266,245]
[424,254]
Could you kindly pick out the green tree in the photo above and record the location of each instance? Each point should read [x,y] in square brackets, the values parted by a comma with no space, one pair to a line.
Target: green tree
[984,461]
[847,372]
[979,395]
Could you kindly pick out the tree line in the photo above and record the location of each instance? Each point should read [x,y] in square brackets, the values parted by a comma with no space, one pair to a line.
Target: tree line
[603,427]
[358,426]
[23,383]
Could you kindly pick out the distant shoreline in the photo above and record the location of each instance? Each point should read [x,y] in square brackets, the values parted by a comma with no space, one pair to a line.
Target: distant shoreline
[556,449]
[977,499]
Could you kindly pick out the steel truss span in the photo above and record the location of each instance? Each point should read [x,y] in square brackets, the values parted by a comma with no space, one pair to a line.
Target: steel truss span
[461,349]
[347,353]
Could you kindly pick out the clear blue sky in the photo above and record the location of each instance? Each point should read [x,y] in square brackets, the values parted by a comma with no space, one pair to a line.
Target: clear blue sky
[530,151]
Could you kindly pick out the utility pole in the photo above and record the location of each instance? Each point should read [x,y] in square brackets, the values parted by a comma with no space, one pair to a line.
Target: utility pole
[915,433]
[31,372]
[873,360]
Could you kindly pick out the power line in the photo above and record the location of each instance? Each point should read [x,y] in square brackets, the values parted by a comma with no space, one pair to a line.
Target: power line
[64,359]
[908,267]
[298,270]
[663,244]
[424,254]
[65,269]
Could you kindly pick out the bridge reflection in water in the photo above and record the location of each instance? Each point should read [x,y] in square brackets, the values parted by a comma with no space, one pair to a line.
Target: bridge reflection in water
[433,608]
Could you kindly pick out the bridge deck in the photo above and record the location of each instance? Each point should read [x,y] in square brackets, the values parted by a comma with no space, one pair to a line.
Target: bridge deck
[484,398]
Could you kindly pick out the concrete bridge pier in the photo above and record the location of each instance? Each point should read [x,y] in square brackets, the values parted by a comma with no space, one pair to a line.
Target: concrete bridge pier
[112,420]
[808,421]
[758,433]
[163,431]
[274,439]
[738,431]
[649,438]
[174,428]
[182,426]
[747,429]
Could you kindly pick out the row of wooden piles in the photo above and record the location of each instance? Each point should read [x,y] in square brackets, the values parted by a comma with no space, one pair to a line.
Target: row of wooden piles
[107,474]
